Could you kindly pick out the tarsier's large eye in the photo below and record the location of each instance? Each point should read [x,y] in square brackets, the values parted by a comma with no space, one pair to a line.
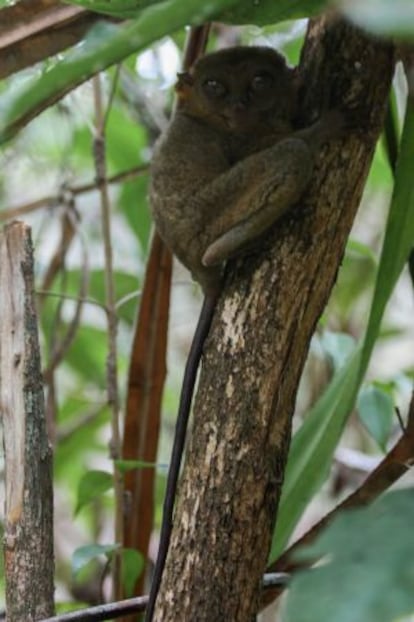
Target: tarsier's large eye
[261,82]
[214,88]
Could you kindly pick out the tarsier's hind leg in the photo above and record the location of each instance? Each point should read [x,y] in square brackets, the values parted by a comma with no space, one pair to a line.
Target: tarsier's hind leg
[277,189]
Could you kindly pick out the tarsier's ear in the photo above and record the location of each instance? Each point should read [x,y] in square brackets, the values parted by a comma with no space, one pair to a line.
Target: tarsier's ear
[184,83]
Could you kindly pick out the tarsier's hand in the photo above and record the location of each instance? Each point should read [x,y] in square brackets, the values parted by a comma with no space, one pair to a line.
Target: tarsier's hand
[231,163]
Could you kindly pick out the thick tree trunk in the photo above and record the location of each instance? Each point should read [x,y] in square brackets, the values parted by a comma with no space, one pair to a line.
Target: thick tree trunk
[28,537]
[255,353]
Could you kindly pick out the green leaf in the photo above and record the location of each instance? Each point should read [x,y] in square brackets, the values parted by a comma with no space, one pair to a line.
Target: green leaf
[85,554]
[133,563]
[104,45]
[382,17]
[117,8]
[125,139]
[380,177]
[369,572]
[92,485]
[399,235]
[376,411]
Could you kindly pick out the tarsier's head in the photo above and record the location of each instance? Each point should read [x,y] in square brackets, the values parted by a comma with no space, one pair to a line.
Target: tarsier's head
[236,88]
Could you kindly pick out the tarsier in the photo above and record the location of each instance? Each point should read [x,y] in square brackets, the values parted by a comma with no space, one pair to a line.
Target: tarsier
[230,164]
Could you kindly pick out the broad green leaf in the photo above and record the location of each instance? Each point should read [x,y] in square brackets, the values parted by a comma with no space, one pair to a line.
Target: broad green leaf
[376,410]
[382,17]
[314,443]
[368,574]
[92,485]
[133,563]
[117,8]
[85,554]
[105,45]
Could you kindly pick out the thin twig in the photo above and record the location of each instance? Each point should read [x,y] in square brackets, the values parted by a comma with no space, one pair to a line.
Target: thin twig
[52,201]
[65,433]
[83,299]
[112,369]
[60,349]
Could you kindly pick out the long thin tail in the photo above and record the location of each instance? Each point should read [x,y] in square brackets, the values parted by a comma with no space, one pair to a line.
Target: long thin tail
[187,390]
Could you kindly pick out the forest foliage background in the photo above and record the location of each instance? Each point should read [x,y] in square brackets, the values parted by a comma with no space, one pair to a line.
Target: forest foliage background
[47,178]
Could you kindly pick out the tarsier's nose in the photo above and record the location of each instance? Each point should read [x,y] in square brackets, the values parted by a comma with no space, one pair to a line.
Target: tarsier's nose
[239,106]
[239,103]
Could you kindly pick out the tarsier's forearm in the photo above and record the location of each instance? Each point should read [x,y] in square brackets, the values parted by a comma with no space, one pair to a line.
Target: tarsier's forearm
[268,183]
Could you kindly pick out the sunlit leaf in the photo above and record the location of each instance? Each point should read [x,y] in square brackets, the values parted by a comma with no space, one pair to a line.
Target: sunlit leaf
[93,485]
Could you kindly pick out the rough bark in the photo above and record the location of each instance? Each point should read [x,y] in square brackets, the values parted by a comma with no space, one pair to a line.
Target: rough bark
[28,540]
[254,356]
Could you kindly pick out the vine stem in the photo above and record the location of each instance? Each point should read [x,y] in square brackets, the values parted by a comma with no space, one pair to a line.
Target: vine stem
[112,320]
